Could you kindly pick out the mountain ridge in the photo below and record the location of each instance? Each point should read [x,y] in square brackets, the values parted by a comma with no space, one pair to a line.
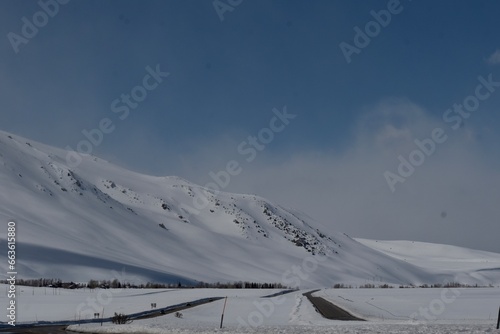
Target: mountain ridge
[88,220]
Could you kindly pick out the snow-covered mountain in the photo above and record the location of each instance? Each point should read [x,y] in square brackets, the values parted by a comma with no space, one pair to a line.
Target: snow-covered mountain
[460,262]
[95,219]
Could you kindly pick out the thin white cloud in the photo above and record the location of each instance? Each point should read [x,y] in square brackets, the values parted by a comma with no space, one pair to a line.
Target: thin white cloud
[494,59]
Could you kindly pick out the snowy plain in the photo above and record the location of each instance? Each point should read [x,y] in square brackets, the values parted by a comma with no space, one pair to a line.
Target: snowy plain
[473,310]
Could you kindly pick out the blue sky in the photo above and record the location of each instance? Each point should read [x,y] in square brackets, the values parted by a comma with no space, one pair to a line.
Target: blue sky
[226,76]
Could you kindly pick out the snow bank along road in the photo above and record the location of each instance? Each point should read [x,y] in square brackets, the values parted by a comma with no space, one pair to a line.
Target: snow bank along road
[59,326]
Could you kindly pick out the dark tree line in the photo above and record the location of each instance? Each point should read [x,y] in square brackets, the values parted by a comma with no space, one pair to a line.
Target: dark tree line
[47,282]
[240,285]
[116,284]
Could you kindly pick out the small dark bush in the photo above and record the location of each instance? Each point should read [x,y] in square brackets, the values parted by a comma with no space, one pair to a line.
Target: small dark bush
[120,319]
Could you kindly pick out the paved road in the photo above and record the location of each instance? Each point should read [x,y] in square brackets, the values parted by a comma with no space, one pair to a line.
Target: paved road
[177,309]
[329,310]
[284,292]
[60,328]
[37,330]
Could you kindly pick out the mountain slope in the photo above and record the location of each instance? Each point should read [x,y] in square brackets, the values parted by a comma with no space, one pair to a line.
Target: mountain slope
[461,262]
[83,222]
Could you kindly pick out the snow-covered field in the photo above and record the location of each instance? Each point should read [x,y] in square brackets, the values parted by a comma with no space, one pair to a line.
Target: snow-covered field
[477,305]
[333,328]
[387,310]
[48,304]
